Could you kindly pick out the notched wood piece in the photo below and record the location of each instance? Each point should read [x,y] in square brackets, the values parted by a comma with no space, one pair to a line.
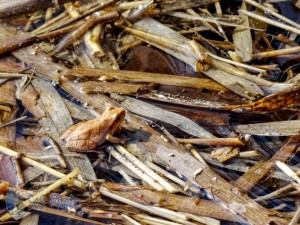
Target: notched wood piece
[86,136]
[225,153]
[96,87]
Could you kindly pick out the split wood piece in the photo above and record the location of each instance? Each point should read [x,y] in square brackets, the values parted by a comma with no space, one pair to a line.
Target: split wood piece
[183,163]
[242,39]
[135,76]
[225,153]
[12,153]
[175,202]
[147,110]
[57,121]
[17,7]
[47,190]
[213,141]
[279,100]
[98,87]
[279,128]
[261,169]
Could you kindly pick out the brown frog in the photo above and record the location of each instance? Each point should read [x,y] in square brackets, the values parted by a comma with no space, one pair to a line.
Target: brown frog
[86,136]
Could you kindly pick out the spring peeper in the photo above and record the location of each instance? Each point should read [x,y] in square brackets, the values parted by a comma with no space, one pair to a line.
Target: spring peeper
[86,136]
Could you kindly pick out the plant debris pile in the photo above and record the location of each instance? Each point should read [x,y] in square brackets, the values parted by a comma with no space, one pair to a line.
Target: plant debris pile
[150,112]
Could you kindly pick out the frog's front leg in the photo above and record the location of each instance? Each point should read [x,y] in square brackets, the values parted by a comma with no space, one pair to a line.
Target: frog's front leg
[81,145]
[114,139]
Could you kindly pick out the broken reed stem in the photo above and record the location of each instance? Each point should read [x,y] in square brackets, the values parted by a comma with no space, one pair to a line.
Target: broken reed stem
[93,45]
[146,169]
[212,141]
[165,173]
[59,154]
[270,21]
[130,220]
[154,221]
[248,154]
[203,219]
[41,194]
[275,193]
[42,28]
[12,153]
[296,217]
[273,13]
[131,166]
[70,38]
[288,171]
[207,19]
[242,65]
[275,53]
[127,178]
[143,207]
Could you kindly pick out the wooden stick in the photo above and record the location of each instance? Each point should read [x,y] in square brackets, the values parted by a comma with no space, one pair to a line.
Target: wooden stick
[38,196]
[274,53]
[135,76]
[12,153]
[212,141]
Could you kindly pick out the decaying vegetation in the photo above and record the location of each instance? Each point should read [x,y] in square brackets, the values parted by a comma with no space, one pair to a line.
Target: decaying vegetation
[149,112]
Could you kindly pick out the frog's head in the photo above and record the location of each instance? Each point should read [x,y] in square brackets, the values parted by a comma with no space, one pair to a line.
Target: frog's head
[116,117]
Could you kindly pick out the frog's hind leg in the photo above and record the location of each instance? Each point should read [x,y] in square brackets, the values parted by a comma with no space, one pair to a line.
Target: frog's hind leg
[81,146]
